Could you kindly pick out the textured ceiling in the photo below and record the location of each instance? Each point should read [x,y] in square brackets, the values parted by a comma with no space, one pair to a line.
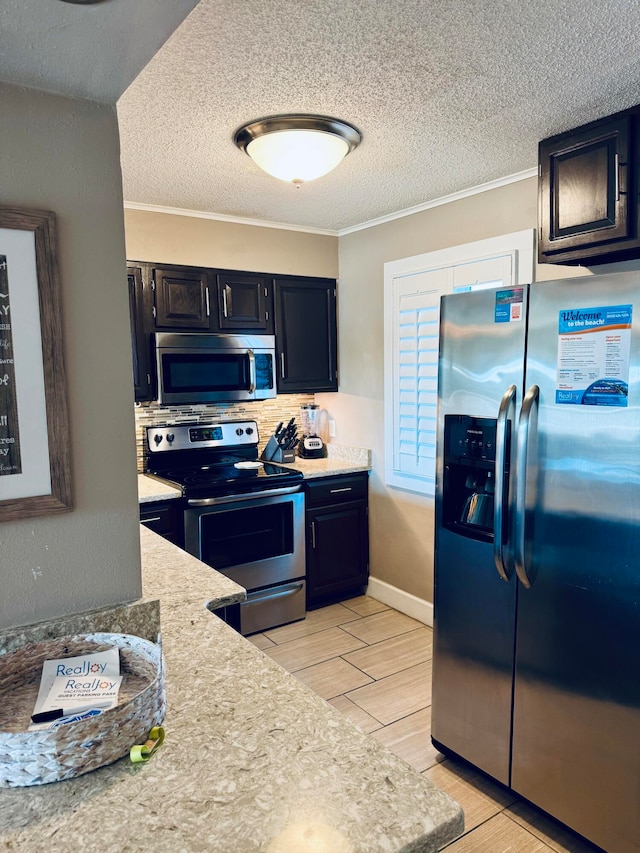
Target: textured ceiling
[447,94]
[83,51]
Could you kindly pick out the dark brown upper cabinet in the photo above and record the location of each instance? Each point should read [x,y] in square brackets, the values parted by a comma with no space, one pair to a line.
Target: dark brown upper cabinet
[588,192]
[299,310]
[306,334]
[244,302]
[142,380]
[181,297]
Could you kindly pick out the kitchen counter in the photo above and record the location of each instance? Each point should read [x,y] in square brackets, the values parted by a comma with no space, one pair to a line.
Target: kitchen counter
[150,489]
[340,459]
[252,761]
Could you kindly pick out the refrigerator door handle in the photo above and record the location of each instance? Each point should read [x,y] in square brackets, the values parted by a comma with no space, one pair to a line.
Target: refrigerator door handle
[529,406]
[506,412]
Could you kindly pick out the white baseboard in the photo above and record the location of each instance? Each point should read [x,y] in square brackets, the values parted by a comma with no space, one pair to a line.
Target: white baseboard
[403,601]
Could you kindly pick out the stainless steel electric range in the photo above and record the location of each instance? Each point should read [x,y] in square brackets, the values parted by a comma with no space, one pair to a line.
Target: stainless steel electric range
[242,516]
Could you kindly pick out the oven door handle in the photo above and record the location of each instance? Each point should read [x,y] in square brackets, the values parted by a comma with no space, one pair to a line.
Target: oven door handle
[266,595]
[230,499]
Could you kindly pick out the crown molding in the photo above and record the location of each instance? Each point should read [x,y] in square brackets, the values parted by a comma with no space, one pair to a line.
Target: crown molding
[342,232]
[219,217]
[446,199]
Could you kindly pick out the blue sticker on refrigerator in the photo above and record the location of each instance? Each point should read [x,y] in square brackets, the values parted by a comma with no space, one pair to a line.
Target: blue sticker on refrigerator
[593,355]
[509,305]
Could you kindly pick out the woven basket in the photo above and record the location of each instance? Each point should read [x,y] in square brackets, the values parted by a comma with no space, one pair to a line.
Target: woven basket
[49,755]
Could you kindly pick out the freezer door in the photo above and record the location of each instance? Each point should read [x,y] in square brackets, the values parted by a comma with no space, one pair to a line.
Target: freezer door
[481,356]
[576,728]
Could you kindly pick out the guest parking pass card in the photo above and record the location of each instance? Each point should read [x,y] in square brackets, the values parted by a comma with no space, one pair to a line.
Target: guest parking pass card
[73,687]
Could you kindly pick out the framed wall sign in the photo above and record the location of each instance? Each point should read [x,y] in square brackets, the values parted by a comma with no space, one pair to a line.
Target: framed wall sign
[35,476]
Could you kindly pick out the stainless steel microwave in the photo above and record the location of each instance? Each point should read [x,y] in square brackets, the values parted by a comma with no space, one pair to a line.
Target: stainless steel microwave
[198,368]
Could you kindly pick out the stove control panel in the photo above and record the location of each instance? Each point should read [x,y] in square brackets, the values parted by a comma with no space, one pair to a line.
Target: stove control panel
[190,436]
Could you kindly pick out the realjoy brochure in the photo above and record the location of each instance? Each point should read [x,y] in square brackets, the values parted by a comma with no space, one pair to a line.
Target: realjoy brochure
[77,687]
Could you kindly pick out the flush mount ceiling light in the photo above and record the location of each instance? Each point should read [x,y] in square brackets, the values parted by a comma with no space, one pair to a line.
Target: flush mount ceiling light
[299,147]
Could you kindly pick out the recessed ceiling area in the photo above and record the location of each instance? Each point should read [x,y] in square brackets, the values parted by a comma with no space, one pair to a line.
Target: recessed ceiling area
[447,95]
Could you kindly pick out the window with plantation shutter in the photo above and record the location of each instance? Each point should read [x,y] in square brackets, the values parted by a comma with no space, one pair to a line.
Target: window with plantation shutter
[417,311]
[413,287]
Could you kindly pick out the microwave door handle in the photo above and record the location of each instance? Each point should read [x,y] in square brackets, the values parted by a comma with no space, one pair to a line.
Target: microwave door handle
[252,371]
[506,413]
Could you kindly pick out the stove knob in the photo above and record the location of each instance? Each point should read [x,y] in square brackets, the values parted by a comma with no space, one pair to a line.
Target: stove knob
[170,437]
[239,431]
[249,430]
[157,438]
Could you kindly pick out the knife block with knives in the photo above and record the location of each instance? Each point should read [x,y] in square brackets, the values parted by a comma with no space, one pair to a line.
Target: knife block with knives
[282,444]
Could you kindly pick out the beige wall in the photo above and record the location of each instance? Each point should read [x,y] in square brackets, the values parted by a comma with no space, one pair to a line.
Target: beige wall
[62,154]
[400,522]
[167,238]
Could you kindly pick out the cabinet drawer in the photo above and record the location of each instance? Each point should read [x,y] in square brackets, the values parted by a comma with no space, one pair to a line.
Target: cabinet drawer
[336,489]
[163,518]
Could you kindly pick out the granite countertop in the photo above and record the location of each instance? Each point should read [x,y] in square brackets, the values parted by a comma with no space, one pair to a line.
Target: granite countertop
[151,489]
[252,761]
[340,459]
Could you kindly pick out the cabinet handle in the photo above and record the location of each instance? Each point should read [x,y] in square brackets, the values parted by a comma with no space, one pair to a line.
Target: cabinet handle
[616,165]
[282,365]
[224,302]
[335,491]
[149,520]
[313,535]
[206,299]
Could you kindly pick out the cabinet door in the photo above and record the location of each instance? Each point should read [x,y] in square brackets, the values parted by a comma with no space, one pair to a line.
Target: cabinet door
[139,340]
[244,302]
[337,550]
[584,192]
[306,335]
[181,297]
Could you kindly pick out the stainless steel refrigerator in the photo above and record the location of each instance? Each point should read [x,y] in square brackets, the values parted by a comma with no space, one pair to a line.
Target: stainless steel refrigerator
[536,675]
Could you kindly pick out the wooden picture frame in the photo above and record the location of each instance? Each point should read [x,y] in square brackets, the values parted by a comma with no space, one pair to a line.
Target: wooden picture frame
[35,471]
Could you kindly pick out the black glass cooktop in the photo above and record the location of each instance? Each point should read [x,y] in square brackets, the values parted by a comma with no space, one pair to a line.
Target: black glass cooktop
[229,477]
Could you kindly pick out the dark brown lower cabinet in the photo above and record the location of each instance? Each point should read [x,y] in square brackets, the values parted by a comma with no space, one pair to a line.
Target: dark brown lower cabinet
[164,518]
[337,537]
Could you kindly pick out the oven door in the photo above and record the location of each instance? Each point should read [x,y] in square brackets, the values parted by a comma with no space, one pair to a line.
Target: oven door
[257,540]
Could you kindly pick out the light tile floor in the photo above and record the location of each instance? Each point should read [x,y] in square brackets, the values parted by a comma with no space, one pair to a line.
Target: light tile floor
[374,665]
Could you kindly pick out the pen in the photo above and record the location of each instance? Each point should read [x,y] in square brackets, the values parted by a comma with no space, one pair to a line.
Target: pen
[56,713]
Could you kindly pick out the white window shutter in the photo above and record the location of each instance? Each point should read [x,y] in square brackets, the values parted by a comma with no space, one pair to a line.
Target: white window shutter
[413,287]
[416,312]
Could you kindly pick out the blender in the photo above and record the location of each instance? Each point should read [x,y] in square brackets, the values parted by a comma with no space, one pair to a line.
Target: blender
[311,445]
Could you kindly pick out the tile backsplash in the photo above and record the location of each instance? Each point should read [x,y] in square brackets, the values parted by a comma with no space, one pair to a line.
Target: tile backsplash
[267,414]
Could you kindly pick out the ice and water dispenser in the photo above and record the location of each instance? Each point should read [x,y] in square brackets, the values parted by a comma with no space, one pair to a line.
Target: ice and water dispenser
[468,487]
